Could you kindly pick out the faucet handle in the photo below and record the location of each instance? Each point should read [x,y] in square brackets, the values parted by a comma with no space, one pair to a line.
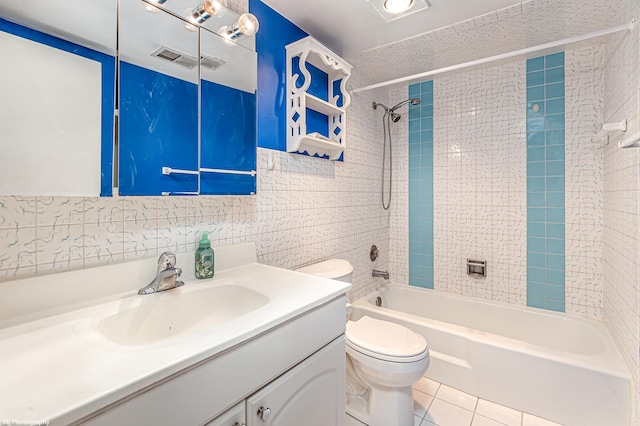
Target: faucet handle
[167,260]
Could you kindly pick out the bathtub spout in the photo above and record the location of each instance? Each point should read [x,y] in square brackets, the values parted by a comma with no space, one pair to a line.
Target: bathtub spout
[381,274]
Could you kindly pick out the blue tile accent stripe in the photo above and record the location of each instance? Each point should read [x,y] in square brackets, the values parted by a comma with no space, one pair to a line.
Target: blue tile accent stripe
[546,182]
[421,186]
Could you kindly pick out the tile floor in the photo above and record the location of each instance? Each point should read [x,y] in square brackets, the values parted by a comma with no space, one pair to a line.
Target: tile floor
[441,405]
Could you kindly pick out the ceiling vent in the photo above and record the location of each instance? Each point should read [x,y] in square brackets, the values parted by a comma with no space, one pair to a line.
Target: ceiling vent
[211,63]
[172,55]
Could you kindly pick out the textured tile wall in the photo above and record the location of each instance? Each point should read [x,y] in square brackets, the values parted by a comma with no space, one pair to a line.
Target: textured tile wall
[480,182]
[399,217]
[621,239]
[306,210]
[480,202]
[584,103]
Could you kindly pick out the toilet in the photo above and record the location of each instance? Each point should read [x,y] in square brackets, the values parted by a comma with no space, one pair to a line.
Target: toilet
[384,360]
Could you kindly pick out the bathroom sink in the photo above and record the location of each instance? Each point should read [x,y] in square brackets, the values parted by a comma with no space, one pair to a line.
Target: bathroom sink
[176,313]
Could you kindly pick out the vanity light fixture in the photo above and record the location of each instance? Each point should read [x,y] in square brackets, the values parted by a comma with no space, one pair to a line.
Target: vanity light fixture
[207,9]
[247,24]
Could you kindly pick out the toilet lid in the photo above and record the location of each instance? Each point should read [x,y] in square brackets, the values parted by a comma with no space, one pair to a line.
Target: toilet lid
[385,338]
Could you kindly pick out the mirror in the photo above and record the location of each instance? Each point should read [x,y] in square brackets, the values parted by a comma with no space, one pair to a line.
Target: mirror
[169,71]
[58,99]
[215,24]
[158,93]
[58,122]
[228,79]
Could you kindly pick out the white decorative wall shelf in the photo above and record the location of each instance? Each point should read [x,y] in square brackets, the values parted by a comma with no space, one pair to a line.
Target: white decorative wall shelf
[299,139]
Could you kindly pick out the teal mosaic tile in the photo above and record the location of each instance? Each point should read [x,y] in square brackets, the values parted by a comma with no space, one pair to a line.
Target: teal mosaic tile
[535,64]
[421,186]
[554,106]
[555,60]
[536,169]
[553,91]
[546,182]
[535,139]
[535,78]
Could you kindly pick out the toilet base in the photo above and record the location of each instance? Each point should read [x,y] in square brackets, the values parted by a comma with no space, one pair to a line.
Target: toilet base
[385,407]
[380,406]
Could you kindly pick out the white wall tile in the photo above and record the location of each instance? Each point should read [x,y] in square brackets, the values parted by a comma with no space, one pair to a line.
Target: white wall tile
[480,201]
[620,235]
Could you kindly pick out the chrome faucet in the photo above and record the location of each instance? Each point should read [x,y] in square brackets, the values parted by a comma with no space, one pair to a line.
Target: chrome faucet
[166,277]
[381,274]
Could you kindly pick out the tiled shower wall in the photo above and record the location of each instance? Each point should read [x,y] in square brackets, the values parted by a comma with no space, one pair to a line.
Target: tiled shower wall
[307,209]
[480,183]
[621,249]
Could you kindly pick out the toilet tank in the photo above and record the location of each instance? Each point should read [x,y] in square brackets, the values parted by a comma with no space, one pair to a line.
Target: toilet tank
[336,269]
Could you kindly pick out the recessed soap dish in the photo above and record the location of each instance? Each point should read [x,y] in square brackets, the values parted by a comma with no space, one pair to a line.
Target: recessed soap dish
[477,268]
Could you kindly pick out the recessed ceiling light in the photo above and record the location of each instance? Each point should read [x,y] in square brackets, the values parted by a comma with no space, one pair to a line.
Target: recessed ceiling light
[390,10]
[397,6]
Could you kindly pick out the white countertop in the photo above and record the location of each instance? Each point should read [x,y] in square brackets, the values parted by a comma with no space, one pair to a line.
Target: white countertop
[60,369]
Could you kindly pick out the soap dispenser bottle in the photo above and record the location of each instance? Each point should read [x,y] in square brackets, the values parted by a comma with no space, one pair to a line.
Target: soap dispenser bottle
[204,258]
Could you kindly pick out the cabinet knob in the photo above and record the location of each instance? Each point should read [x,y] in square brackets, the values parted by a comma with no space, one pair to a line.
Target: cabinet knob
[264,413]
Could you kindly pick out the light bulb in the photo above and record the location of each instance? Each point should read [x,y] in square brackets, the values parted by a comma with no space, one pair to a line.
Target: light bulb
[397,6]
[149,7]
[246,25]
[207,9]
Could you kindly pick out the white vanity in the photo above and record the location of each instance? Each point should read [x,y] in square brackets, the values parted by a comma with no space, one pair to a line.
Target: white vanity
[256,345]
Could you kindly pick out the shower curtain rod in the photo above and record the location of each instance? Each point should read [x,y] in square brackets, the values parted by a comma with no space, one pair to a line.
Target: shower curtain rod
[627,27]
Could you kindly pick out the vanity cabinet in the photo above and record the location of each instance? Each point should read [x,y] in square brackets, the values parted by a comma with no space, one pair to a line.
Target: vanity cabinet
[296,370]
[308,394]
[234,416]
[311,394]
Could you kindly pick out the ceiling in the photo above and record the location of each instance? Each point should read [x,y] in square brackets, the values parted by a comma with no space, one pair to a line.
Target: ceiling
[352,26]
[451,32]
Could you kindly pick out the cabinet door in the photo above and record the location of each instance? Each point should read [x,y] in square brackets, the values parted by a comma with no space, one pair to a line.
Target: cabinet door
[228,117]
[158,103]
[310,394]
[234,416]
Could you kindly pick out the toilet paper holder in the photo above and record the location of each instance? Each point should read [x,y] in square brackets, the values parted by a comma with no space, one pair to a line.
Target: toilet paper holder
[476,268]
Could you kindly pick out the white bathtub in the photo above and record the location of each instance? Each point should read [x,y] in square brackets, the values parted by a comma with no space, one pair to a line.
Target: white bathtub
[561,368]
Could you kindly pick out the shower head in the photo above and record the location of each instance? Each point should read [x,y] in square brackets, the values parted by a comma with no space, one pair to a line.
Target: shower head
[413,101]
[395,117]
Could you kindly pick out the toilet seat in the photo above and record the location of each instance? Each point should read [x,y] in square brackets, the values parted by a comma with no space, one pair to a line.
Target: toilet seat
[385,340]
